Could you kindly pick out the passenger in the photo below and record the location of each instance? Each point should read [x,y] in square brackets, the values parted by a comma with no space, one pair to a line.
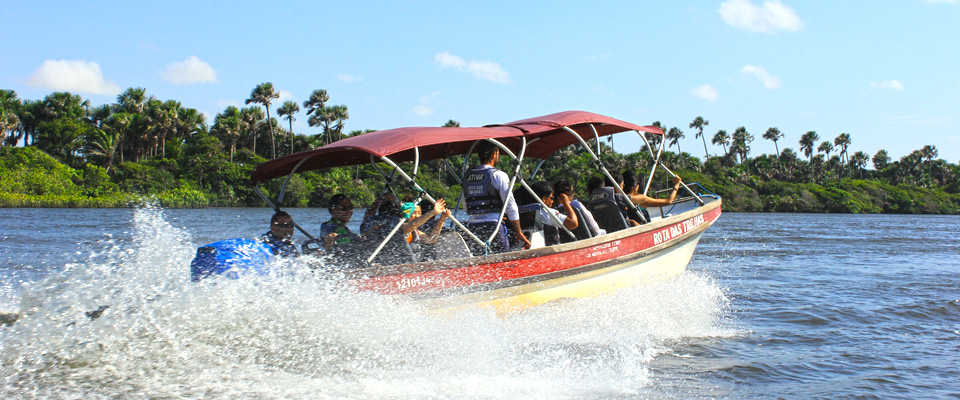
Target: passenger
[381,217]
[563,186]
[418,219]
[486,190]
[424,245]
[551,235]
[646,201]
[278,238]
[335,231]
[631,185]
[600,188]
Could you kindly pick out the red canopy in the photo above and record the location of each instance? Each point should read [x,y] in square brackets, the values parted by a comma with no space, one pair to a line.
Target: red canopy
[436,143]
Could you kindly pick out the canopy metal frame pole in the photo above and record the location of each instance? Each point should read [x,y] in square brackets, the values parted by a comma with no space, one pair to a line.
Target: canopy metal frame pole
[656,163]
[427,195]
[603,168]
[256,189]
[660,163]
[513,180]
[283,189]
[523,183]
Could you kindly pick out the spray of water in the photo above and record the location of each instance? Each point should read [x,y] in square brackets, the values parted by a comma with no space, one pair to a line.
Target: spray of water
[295,335]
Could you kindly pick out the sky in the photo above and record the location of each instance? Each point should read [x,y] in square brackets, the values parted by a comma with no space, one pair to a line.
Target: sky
[886,72]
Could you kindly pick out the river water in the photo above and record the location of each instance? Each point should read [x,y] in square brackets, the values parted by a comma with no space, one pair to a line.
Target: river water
[772,306]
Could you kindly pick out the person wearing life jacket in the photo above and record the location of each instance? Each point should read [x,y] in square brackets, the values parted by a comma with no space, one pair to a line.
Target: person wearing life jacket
[339,242]
[551,229]
[486,190]
[278,237]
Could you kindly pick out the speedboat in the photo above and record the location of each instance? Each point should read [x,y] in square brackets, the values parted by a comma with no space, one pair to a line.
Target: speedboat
[510,282]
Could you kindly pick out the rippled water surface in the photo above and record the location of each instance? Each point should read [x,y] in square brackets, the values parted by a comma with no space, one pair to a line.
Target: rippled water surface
[772,306]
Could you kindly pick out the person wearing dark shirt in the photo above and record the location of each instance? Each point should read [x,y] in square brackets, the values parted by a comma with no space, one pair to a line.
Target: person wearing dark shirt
[278,238]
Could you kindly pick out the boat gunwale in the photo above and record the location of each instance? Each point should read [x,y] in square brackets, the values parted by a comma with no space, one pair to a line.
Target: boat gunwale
[380,271]
[613,264]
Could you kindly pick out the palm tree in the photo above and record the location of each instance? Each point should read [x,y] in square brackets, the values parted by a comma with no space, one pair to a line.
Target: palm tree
[698,124]
[807,141]
[656,139]
[316,110]
[339,114]
[929,152]
[118,124]
[774,135]
[226,127]
[133,100]
[263,94]
[880,160]
[789,160]
[816,165]
[859,161]
[741,142]
[189,122]
[674,135]
[165,116]
[59,105]
[98,115]
[452,124]
[104,144]
[721,138]
[287,109]
[30,115]
[842,141]
[825,148]
[250,121]
[9,120]
[318,99]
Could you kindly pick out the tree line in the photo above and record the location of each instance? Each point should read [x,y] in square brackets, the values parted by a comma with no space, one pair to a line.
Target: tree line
[147,146]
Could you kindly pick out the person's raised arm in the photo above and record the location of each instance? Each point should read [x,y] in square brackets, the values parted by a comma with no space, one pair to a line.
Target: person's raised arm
[433,236]
[415,223]
[645,201]
[571,221]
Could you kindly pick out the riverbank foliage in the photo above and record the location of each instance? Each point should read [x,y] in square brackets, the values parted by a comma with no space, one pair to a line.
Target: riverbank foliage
[60,152]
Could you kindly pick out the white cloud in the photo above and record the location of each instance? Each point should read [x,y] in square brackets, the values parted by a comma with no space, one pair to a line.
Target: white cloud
[769,81]
[190,71]
[284,96]
[486,70]
[72,76]
[891,84]
[706,92]
[772,17]
[349,78]
[424,108]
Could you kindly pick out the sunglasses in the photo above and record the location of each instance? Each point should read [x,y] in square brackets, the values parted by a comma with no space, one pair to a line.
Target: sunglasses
[343,208]
[284,224]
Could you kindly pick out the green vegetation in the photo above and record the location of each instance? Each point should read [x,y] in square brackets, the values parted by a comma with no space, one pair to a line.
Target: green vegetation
[60,152]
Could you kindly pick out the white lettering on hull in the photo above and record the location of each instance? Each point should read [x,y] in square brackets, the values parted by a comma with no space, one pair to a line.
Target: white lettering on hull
[674,231]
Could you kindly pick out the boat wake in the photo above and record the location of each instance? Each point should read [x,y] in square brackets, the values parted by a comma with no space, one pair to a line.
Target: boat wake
[296,334]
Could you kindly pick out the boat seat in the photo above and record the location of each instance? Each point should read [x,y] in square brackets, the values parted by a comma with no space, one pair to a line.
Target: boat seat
[531,225]
[607,214]
[581,231]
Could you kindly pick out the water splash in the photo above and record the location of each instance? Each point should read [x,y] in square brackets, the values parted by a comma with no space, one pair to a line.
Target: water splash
[293,335]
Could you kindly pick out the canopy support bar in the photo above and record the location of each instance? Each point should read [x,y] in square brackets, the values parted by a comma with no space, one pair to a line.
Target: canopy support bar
[602,167]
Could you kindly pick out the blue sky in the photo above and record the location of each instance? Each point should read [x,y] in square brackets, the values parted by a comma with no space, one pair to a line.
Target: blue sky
[887,72]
